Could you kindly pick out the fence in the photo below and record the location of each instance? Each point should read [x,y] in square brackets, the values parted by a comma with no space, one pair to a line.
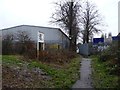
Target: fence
[85,49]
[91,49]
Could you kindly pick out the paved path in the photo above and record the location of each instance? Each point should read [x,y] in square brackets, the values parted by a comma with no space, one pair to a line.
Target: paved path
[85,75]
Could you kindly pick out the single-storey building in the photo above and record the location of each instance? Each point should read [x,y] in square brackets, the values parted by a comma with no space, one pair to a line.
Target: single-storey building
[51,35]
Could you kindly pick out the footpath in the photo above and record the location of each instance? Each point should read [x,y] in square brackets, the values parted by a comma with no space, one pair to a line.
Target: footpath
[85,75]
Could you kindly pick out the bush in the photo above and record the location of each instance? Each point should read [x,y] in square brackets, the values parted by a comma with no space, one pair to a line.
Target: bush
[111,57]
[24,42]
[56,56]
[30,54]
[23,46]
[7,44]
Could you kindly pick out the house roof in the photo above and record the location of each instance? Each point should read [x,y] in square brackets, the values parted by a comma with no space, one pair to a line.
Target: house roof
[38,27]
[98,40]
[116,37]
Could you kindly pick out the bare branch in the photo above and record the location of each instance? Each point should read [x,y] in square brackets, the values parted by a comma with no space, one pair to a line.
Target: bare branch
[90,20]
[66,16]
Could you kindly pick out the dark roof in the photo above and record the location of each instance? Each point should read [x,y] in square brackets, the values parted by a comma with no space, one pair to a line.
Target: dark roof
[116,38]
[38,27]
[98,40]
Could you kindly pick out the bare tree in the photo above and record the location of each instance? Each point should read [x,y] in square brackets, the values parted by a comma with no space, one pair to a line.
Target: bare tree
[23,36]
[23,41]
[7,44]
[66,16]
[90,21]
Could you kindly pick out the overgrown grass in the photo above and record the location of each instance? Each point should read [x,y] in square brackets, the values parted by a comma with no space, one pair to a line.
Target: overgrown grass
[11,60]
[63,77]
[101,76]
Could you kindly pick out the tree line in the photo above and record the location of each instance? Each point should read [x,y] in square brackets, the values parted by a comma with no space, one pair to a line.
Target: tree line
[80,19]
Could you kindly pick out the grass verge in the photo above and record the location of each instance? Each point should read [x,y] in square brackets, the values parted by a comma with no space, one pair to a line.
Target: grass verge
[101,76]
[63,77]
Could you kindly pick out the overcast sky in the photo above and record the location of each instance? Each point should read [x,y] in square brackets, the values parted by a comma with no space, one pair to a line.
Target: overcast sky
[38,12]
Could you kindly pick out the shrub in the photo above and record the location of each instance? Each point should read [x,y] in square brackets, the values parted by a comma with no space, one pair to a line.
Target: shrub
[111,57]
[24,42]
[21,44]
[30,53]
[7,44]
[56,56]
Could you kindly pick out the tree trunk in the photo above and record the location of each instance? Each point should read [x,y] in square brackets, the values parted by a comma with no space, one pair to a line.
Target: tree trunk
[87,37]
[71,27]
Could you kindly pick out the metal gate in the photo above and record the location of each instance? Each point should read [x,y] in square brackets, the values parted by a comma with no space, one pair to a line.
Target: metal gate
[85,49]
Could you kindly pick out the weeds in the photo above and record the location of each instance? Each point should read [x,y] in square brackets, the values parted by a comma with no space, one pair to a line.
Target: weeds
[101,75]
[63,77]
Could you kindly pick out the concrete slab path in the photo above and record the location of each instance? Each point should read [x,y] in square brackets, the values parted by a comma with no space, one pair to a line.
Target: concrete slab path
[85,75]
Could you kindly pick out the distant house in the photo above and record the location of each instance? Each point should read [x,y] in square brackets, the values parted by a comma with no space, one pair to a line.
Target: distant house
[98,40]
[106,40]
[101,44]
[52,36]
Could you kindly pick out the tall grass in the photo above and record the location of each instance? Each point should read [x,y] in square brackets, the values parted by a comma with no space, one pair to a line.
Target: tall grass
[63,77]
[101,75]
